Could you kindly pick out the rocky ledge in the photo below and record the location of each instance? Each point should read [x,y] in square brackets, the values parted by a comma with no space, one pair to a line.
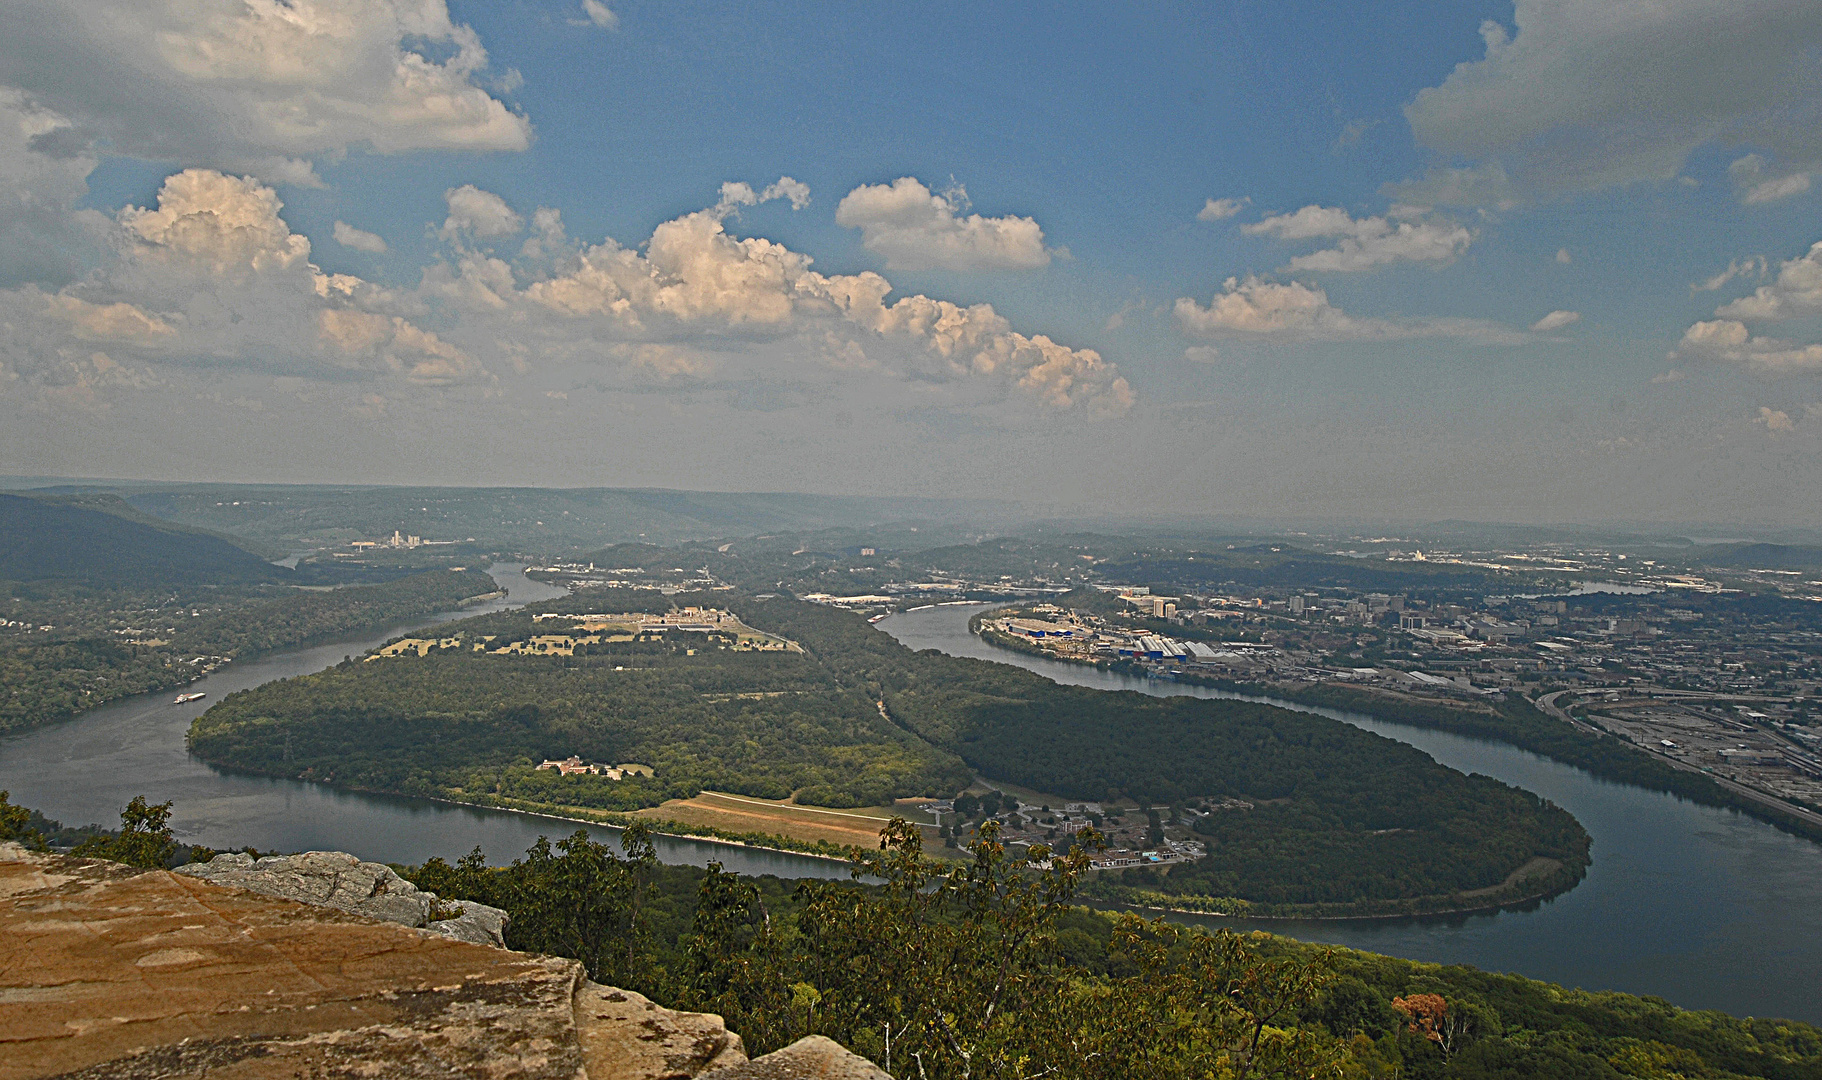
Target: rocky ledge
[247,970]
[339,880]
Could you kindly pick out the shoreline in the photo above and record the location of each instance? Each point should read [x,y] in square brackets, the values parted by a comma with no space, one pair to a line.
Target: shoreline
[1382,916]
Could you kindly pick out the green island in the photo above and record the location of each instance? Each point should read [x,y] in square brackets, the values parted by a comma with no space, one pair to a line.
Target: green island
[1298,814]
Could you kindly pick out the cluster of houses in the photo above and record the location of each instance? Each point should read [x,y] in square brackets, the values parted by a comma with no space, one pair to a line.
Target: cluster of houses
[575,766]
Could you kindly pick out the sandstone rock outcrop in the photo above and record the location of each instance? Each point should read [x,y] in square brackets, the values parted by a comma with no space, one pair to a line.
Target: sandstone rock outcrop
[113,973]
[339,880]
[810,1058]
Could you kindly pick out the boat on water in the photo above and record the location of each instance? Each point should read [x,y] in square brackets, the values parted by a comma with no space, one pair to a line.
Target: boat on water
[184,699]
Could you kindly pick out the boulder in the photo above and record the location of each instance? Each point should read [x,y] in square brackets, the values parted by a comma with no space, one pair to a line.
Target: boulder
[627,1037]
[265,969]
[107,971]
[339,880]
[812,1057]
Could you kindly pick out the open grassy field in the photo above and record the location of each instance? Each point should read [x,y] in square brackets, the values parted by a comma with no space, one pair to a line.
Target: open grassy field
[740,813]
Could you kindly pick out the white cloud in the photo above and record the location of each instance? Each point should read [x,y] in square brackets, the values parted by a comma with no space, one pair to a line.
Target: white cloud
[1563,256]
[600,14]
[1544,101]
[1407,235]
[695,279]
[917,229]
[1297,312]
[1755,187]
[1202,354]
[44,168]
[1775,420]
[1782,187]
[1755,266]
[117,322]
[479,213]
[211,275]
[1556,320]
[1729,340]
[1221,209]
[359,239]
[738,193]
[257,85]
[1796,291]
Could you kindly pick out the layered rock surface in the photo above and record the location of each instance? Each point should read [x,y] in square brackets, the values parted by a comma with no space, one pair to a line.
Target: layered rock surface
[111,972]
[339,880]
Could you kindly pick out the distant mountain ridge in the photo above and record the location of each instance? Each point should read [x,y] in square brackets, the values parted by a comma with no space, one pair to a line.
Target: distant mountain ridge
[541,520]
[51,539]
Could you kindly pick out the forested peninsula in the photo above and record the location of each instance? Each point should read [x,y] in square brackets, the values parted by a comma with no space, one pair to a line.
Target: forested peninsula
[1341,821]
[127,638]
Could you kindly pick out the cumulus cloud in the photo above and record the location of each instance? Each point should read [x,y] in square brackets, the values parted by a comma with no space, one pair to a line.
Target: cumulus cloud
[1775,420]
[1729,340]
[738,193]
[1544,104]
[694,278]
[1407,235]
[258,87]
[915,228]
[1556,320]
[1294,311]
[211,275]
[44,166]
[359,239]
[1221,209]
[479,213]
[1757,184]
[116,322]
[1796,291]
[1753,267]
[600,14]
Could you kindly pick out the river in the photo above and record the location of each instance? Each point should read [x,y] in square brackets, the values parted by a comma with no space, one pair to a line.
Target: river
[1708,908]
[1705,907]
[85,769]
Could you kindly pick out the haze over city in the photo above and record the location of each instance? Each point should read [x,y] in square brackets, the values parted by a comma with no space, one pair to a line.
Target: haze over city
[1428,261]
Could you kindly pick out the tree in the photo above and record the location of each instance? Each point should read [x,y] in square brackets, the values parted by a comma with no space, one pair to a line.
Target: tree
[585,902]
[144,839]
[16,824]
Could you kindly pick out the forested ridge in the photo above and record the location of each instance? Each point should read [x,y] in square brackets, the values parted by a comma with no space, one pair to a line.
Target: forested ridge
[472,726]
[1341,816]
[50,675]
[1518,722]
[987,969]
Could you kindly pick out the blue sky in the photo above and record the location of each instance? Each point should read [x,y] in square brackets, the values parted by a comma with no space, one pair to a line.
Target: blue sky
[1420,260]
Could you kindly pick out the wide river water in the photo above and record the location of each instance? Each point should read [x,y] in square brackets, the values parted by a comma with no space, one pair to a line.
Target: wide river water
[86,768]
[1705,907]
[1708,908]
